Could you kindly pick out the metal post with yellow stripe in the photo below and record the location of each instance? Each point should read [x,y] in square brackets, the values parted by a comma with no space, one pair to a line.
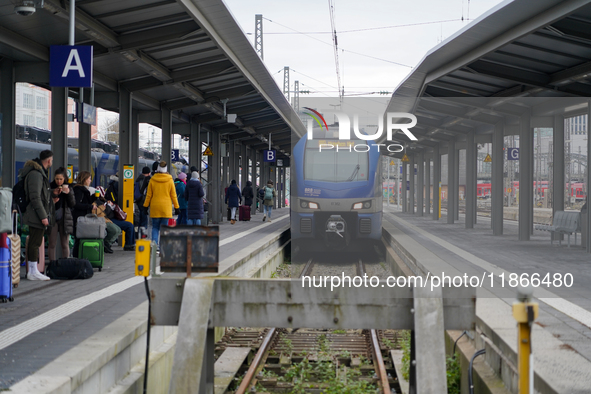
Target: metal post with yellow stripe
[525,312]
[127,203]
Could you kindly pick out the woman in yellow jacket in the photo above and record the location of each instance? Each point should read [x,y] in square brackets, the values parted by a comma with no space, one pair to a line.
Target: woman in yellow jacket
[160,198]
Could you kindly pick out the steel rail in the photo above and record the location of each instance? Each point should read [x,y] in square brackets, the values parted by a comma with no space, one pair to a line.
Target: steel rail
[245,384]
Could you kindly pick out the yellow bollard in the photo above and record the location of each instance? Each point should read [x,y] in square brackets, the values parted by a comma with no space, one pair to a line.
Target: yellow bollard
[525,313]
[439,200]
[142,257]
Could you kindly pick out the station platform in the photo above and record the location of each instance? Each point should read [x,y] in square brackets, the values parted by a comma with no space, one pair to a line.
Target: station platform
[49,318]
[562,333]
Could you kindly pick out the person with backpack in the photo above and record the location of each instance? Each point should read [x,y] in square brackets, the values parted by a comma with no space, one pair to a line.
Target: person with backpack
[139,194]
[194,194]
[233,198]
[64,201]
[160,198]
[40,211]
[269,197]
[180,187]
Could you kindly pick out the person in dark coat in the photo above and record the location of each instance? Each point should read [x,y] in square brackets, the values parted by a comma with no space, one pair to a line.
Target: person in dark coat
[248,193]
[194,194]
[193,169]
[40,212]
[85,202]
[64,201]
[233,199]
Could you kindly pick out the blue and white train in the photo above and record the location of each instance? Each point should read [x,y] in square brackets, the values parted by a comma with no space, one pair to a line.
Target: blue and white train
[336,193]
[103,164]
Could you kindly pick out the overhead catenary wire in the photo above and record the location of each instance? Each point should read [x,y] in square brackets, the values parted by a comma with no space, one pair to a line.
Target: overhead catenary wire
[335,47]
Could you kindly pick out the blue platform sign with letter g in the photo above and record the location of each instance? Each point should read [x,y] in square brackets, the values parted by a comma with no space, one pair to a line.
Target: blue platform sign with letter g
[70,66]
[269,156]
[512,153]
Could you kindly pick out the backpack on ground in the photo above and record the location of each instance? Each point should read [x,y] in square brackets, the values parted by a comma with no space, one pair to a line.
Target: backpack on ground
[268,193]
[69,269]
[19,196]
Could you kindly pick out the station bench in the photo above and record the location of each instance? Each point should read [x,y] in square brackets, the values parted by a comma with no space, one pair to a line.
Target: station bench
[563,223]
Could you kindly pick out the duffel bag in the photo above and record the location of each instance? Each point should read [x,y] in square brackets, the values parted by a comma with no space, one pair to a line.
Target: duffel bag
[69,269]
[91,227]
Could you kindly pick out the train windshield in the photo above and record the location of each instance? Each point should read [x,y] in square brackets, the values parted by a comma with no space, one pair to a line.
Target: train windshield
[335,166]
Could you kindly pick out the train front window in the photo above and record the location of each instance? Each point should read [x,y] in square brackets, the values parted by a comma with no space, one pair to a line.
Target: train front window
[333,166]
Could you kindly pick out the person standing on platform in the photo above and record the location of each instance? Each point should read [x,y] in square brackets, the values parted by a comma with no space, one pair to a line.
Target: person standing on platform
[194,194]
[268,198]
[40,211]
[142,183]
[160,198]
[248,194]
[233,199]
[180,187]
[63,199]
[193,169]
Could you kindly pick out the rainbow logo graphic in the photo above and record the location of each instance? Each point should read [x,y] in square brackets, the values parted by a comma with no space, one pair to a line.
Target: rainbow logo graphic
[316,118]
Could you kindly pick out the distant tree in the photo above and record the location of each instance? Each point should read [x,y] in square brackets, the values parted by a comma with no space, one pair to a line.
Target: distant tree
[109,128]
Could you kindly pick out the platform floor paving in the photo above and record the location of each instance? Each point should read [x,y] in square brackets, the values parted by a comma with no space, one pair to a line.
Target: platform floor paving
[33,300]
[564,312]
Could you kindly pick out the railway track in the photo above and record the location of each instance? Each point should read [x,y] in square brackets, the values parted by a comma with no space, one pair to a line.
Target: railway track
[302,360]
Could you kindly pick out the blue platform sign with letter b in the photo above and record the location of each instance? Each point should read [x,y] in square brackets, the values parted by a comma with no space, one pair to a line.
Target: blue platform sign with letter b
[269,156]
[512,153]
[70,66]
[174,155]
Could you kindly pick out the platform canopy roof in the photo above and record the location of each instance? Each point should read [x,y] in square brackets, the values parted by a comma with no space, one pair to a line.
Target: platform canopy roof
[185,55]
[531,51]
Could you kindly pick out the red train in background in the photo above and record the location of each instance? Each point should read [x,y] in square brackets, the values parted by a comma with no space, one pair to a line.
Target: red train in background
[577,191]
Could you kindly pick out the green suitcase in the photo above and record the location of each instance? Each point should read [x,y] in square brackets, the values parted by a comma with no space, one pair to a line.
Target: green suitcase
[92,250]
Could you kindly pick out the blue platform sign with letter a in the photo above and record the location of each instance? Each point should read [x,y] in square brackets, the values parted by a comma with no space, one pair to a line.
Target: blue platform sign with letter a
[269,156]
[70,66]
[512,153]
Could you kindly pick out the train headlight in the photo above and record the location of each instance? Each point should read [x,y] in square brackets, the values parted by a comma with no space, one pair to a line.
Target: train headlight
[309,204]
[362,205]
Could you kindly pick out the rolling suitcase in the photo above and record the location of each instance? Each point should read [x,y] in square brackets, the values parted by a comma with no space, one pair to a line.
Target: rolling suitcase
[69,269]
[92,250]
[41,262]
[5,269]
[15,252]
[244,213]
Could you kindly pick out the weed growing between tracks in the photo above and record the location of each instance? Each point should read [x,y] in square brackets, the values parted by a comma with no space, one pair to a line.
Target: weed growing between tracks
[452,365]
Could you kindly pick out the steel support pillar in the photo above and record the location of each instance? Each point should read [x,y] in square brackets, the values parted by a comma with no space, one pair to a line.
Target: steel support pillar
[588,235]
[420,184]
[244,166]
[125,139]
[232,161]
[436,181]
[558,168]
[195,146]
[427,185]
[404,192]
[8,135]
[526,152]
[214,196]
[457,185]
[84,144]
[413,191]
[253,179]
[59,127]
[452,192]
[167,137]
[498,157]
[135,142]
[471,170]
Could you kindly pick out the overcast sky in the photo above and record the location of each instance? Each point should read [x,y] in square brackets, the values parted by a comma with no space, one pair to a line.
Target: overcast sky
[313,62]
